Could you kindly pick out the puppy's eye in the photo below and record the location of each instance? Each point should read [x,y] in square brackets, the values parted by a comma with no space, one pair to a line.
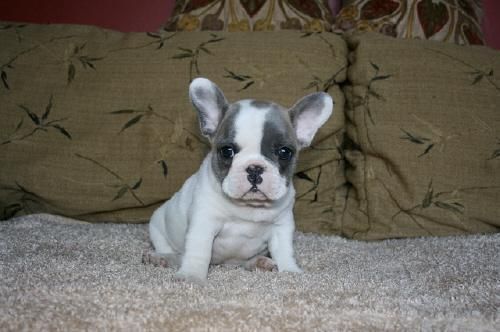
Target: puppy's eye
[227,152]
[284,153]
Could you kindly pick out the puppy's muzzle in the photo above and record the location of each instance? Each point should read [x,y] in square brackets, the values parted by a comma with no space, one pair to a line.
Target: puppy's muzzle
[254,176]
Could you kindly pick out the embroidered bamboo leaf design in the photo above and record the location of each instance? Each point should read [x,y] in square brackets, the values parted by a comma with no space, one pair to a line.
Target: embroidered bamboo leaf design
[324,85]
[194,54]
[374,79]
[157,38]
[309,34]
[304,176]
[143,114]
[85,61]
[496,153]
[4,79]
[164,167]
[370,92]
[432,199]
[24,201]
[246,80]
[478,74]
[38,123]
[314,182]
[427,201]
[16,27]
[123,186]
[138,115]
[4,68]
[160,38]
[318,83]
[444,200]
[416,139]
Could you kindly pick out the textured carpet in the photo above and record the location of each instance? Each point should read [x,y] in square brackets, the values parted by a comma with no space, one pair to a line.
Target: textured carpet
[56,274]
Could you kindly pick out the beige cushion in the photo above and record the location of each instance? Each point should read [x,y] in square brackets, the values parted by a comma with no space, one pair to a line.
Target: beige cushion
[97,124]
[424,124]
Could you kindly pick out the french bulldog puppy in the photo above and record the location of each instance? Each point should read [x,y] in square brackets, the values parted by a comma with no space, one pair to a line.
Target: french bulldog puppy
[237,208]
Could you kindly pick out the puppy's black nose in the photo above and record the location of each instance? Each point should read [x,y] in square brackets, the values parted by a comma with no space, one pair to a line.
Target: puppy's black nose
[254,174]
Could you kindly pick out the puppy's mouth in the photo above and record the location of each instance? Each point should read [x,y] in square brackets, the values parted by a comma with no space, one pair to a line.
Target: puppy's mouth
[255,197]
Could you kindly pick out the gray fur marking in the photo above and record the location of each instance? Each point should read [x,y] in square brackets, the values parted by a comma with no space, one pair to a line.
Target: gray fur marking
[278,132]
[225,136]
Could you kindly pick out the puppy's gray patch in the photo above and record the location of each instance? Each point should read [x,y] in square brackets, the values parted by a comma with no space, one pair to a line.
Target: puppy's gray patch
[225,136]
[278,132]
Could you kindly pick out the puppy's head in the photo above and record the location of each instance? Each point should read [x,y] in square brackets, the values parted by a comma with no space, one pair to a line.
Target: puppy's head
[255,144]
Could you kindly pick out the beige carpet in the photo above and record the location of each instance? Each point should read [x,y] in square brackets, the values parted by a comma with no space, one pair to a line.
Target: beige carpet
[59,275]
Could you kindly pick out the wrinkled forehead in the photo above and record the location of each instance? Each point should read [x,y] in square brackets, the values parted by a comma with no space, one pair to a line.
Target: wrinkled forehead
[249,122]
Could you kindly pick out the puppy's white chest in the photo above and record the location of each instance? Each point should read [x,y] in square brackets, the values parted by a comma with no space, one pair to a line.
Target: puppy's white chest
[239,241]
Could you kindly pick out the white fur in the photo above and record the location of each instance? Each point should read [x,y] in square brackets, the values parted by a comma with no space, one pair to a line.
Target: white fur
[249,130]
[209,222]
[204,226]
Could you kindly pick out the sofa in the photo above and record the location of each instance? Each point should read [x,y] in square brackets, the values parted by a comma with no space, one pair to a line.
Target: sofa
[97,131]
[97,124]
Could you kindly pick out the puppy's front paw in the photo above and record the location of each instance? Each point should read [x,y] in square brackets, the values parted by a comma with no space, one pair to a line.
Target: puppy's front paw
[191,278]
[156,259]
[261,263]
[291,268]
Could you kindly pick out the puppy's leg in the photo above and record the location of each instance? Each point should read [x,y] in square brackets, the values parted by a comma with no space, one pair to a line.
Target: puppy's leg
[281,245]
[163,254]
[262,263]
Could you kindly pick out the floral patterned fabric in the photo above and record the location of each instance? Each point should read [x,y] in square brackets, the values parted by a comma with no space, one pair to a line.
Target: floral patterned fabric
[251,15]
[456,21]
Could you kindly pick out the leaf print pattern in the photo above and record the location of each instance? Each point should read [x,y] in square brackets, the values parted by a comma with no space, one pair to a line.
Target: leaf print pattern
[413,138]
[477,74]
[194,54]
[149,112]
[84,60]
[23,201]
[160,38]
[123,187]
[314,184]
[40,123]
[449,201]
[496,153]
[320,84]
[370,91]
[246,79]
[17,28]
[9,65]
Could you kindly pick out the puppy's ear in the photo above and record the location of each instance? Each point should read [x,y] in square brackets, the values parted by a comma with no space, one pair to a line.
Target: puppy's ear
[309,114]
[210,103]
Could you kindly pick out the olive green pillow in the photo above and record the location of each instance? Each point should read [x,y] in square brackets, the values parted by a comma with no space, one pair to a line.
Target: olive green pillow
[423,149]
[97,124]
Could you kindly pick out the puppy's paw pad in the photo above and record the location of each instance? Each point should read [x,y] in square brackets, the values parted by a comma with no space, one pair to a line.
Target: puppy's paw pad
[265,264]
[155,259]
[262,263]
